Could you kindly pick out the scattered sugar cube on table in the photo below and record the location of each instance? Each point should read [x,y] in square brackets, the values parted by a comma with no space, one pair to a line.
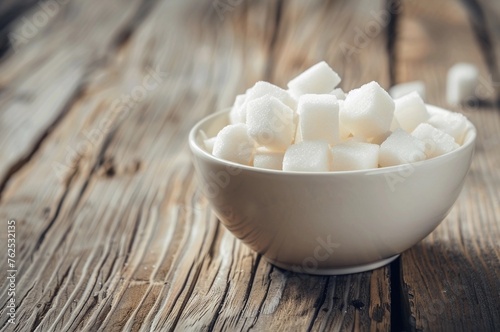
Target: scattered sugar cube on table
[319,117]
[401,148]
[461,83]
[317,79]
[350,156]
[265,158]
[307,156]
[234,144]
[401,89]
[270,122]
[436,141]
[367,111]
[410,111]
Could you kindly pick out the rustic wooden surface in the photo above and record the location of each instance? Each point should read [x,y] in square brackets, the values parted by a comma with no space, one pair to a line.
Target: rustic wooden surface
[112,231]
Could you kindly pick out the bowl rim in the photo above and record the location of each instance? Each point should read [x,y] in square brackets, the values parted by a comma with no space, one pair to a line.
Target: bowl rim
[470,137]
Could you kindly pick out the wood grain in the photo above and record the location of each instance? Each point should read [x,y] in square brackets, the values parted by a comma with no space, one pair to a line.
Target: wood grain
[451,279]
[113,231]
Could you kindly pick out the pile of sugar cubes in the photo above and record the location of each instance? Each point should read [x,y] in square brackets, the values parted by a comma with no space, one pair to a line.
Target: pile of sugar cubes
[315,127]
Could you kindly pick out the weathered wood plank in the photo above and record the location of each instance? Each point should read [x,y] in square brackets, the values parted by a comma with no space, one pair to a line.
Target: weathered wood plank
[484,16]
[114,233]
[44,74]
[450,280]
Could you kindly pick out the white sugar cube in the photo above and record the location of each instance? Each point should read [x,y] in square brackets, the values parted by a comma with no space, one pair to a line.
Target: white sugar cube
[401,148]
[380,138]
[344,133]
[236,115]
[410,111]
[318,79]
[454,124]
[357,138]
[262,88]
[298,135]
[270,123]
[367,111]
[234,144]
[394,124]
[209,143]
[339,93]
[352,156]
[319,117]
[399,90]
[307,156]
[461,83]
[265,158]
[436,141]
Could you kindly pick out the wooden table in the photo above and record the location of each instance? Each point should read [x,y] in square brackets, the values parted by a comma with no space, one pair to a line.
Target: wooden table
[112,232]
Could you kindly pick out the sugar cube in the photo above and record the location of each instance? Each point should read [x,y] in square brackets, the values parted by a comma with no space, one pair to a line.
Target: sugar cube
[298,136]
[410,111]
[344,133]
[367,111]
[394,124]
[399,90]
[454,124]
[209,143]
[261,89]
[339,93]
[265,158]
[319,78]
[270,122]
[357,138]
[307,156]
[436,141]
[380,138]
[319,117]
[401,148]
[236,115]
[350,156]
[234,144]
[461,83]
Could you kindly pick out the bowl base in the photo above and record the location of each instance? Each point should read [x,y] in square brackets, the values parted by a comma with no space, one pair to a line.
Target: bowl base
[338,271]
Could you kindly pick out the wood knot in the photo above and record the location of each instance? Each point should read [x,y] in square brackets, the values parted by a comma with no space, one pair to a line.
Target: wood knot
[109,168]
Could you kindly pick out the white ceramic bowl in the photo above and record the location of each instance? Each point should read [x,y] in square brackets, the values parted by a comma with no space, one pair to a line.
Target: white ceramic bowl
[330,222]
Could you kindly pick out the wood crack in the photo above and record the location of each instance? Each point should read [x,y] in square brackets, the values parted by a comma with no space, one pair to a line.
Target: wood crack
[392,30]
[400,303]
[274,38]
[47,305]
[400,307]
[16,167]
[483,37]
[123,35]
[253,272]
[256,318]
[319,304]
[139,16]
[219,307]
[52,221]
[187,296]
[7,18]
